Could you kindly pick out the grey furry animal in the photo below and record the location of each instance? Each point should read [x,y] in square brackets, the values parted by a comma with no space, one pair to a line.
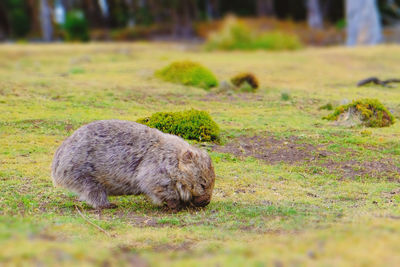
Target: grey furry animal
[112,157]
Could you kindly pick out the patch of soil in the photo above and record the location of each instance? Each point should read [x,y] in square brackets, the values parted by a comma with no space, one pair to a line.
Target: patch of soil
[291,151]
[382,169]
[392,193]
[184,246]
[45,236]
[128,255]
[272,150]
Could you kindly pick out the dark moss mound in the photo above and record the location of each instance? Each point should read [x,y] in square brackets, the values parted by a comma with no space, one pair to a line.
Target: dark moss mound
[188,73]
[367,112]
[190,124]
[245,79]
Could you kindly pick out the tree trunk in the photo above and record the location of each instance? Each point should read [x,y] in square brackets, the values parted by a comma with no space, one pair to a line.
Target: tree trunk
[45,21]
[212,7]
[94,14]
[34,14]
[314,14]
[59,12]
[209,10]
[265,7]
[131,7]
[104,8]
[158,11]
[5,30]
[183,16]
[363,22]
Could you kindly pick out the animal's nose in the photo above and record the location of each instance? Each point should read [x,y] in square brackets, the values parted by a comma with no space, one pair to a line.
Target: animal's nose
[201,201]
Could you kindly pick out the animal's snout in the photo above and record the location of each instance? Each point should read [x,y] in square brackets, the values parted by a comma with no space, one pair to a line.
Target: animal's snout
[201,201]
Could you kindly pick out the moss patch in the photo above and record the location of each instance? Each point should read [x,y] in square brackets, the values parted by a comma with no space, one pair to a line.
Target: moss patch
[190,124]
[370,113]
[188,73]
[245,80]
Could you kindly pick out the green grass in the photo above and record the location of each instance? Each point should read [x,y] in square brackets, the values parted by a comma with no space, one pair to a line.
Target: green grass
[283,213]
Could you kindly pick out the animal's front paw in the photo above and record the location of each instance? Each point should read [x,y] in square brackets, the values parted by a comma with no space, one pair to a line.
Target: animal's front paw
[176,205]
[173,206]
[170,210]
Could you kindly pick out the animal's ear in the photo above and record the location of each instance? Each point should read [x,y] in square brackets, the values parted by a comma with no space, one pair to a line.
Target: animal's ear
[187,156]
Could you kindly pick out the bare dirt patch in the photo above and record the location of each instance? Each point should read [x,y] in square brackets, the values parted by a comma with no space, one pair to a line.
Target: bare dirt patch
[128,255]
[294,151]
[391,194]
[272,150]
[379,169]
[184,246]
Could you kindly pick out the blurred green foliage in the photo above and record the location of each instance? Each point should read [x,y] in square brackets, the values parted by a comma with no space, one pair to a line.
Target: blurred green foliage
[341,24]
[76,27]
[18,16]
[236,35]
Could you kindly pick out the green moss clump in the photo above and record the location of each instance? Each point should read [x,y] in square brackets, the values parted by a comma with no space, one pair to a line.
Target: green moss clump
[188,73]
[246,79]
[190,124]
[372,112]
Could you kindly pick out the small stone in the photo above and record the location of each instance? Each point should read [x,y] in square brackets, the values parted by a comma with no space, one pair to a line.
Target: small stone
[322,154]
[225,86]
[311,254]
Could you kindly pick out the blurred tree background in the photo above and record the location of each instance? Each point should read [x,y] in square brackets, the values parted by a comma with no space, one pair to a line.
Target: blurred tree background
[318,22]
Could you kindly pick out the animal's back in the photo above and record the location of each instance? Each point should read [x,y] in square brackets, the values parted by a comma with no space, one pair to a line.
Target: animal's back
[106,151]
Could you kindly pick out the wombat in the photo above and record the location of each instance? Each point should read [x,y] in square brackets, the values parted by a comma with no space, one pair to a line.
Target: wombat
[113,157]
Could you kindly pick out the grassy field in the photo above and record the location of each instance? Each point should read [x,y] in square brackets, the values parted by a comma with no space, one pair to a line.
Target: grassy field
[291,188]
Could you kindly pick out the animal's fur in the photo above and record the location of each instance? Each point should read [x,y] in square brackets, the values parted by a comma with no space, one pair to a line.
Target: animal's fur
[115,157]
